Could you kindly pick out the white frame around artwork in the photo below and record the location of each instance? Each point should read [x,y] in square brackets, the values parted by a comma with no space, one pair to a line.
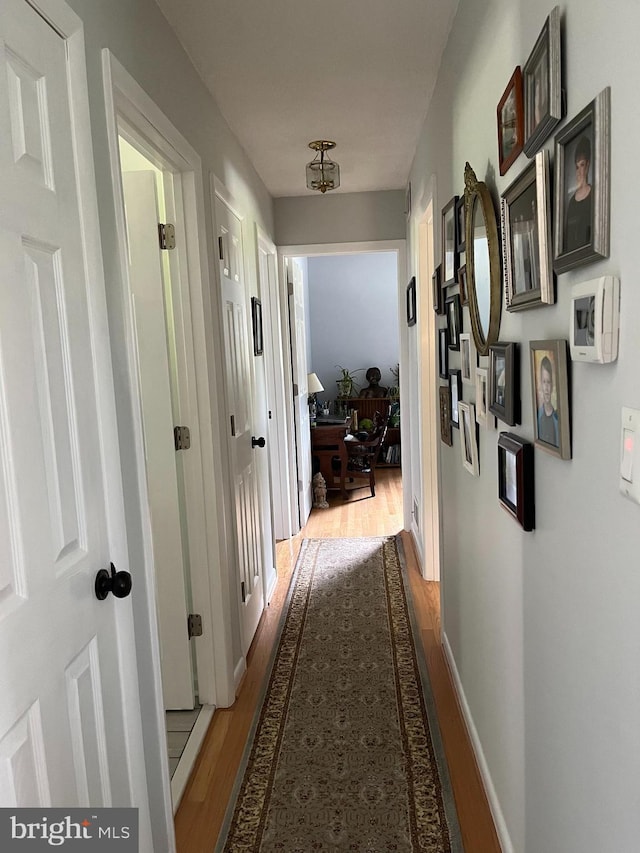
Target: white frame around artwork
[467,414]
[468,377]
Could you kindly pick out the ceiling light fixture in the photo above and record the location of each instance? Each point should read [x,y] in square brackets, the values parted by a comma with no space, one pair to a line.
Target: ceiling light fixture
[322,173]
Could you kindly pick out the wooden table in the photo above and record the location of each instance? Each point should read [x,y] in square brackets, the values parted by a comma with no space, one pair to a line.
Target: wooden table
[325,444]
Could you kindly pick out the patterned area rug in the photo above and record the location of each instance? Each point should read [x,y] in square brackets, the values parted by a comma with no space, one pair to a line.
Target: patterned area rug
[345,752]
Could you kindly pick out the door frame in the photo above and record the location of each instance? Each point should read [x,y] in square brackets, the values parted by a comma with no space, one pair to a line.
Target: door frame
[365,247]
[126,101]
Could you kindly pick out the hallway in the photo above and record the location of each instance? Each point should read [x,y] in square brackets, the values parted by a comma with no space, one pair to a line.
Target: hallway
[205,800]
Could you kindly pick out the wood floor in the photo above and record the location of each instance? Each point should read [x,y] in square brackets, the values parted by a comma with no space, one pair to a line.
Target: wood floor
[204,802]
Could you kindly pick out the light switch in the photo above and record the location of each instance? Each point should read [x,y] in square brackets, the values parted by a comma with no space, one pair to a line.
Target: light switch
[630,454]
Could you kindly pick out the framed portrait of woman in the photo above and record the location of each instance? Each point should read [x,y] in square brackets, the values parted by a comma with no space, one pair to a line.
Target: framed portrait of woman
[582,186]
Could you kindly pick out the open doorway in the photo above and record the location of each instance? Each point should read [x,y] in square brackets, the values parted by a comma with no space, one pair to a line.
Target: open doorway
[346,299]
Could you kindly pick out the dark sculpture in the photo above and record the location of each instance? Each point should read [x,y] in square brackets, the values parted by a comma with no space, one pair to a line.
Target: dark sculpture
[373,389]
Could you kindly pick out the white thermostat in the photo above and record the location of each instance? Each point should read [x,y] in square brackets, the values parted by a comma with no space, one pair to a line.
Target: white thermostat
[595,320]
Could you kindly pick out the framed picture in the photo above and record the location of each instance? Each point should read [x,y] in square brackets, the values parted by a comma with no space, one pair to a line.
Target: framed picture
[455,392]
[462,281]
[449,242]
[443,353]
[256,323]
[411,302]
[550,396]
[543,107]
[582,188]
[482,398]
[504,382]
[461,232]
[510,122]
[445,415]
[526,234]
[515,478]
[469,438]
[454,320]
[468,359]
[438,293]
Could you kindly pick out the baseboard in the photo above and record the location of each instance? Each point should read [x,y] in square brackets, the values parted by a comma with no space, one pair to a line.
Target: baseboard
[494,804]
[188,758]
[238,672]
[273,580]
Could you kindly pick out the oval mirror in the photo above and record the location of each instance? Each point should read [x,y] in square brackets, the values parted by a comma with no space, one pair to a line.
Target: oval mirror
[484,274]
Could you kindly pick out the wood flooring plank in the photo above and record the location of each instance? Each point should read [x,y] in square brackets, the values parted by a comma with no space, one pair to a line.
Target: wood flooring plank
[204,802]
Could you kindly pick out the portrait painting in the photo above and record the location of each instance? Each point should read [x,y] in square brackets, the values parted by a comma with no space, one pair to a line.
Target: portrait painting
[550,394]
[582,186]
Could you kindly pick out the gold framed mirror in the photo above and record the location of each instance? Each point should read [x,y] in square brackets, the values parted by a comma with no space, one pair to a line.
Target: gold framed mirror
[484,274]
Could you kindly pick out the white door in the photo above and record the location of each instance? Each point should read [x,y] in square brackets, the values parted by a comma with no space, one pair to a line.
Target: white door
[300,399]
[69,715]
[238,349]
[145,273]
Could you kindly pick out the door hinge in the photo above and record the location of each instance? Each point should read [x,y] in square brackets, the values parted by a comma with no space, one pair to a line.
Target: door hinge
[243,591]
[221,248]
[290,288]
[295,390]
[233,425]
[299,485]
[167,235]
[194,625]
[181,438]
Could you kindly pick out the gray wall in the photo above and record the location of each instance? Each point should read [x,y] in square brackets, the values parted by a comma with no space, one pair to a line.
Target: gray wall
[340,218]
[544,626]
[353,316]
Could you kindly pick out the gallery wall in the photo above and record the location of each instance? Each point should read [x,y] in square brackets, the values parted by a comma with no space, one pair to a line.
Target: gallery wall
[543,626]
[353,316]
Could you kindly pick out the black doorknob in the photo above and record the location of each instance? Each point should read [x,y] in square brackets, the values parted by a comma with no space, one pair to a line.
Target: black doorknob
[119,583]
[257,442]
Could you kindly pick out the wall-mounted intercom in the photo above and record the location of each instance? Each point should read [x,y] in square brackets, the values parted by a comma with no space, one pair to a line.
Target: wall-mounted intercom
[595,320]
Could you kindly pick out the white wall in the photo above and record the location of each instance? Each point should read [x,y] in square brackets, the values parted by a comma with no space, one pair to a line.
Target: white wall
[544,626]
[340,217]
[353,316]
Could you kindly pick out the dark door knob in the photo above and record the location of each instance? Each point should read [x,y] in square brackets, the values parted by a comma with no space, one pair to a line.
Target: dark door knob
[257,442]
[119,583]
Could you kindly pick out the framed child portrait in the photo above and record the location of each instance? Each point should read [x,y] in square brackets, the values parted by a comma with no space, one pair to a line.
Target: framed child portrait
[550,396]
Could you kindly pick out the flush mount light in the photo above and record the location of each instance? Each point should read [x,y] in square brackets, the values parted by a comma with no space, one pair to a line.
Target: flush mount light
[322,173]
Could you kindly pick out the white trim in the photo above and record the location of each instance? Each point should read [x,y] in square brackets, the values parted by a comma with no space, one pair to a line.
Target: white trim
[362,247]
[494,803]
[188,758]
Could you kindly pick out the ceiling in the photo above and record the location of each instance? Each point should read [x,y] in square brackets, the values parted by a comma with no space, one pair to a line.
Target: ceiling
[285,72]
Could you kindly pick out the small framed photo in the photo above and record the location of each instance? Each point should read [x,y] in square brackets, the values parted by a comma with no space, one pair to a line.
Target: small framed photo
[550,393]
[515,478]
[482,397]
[510,122]
[454,320]
[526,233]
[543,102]
[504,382]
[449,243]
[411,302]
[438,292]
[256,325]
[468,359]
[461,234]
[462,281]
[443,353]
[455,392]
[469,438]
[582,187]
[445,415]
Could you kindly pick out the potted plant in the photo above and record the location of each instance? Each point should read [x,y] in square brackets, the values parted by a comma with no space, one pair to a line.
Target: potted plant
[347,382]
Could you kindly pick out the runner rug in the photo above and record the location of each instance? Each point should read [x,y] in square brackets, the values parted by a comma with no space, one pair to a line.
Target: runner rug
[345,752]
